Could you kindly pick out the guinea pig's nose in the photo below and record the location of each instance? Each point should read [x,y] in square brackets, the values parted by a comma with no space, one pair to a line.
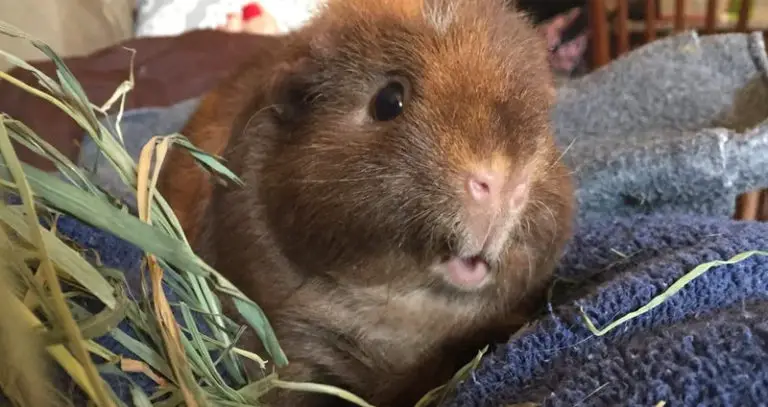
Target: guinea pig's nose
[495,190]
[489,194]
[484,188]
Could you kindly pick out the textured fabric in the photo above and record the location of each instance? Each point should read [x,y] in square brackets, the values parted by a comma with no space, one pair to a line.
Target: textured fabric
[173,17]
[705,346]
[678,126]
[119,255]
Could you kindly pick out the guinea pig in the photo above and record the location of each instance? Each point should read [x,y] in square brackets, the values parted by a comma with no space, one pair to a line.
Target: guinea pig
[404,202]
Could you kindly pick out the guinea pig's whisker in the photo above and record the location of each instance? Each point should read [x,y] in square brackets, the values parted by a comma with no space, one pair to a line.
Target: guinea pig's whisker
[489,229]
[565,150]
[562,154]
[419,218]
[529,275]
[541,204]
[255,114]
[326,147]
[340,180]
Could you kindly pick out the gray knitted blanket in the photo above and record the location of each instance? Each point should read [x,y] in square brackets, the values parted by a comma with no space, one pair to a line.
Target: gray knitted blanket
[677,126]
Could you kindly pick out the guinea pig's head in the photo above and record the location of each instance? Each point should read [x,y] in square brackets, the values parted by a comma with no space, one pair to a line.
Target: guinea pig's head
[418,130]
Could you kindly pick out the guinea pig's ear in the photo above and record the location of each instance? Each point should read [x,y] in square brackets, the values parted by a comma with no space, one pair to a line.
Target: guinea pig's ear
[291,89]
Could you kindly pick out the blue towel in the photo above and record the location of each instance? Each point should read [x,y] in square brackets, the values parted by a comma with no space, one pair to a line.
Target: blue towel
[705,346]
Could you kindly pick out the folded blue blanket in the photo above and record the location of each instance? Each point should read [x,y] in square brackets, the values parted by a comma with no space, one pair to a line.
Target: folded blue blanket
[705,346]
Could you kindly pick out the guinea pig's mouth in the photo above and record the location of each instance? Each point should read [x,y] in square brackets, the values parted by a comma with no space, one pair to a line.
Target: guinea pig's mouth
[464,272]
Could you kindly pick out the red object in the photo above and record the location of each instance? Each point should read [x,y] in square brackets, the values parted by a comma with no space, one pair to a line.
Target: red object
[251,11]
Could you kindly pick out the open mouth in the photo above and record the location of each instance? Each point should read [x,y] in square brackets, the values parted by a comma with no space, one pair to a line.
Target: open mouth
[468,272]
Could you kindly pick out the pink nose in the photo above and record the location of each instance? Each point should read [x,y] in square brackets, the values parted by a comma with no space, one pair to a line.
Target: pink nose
[493,190]
[490,196]
[484,188]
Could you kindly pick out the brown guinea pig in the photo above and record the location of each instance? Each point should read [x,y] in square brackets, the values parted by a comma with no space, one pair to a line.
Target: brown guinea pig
[404,200]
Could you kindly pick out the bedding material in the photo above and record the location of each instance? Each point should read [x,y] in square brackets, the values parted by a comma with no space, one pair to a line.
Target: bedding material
[173,17]
[705,346]
[678,125]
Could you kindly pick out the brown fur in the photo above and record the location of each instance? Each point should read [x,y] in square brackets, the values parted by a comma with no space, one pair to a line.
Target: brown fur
[340,215]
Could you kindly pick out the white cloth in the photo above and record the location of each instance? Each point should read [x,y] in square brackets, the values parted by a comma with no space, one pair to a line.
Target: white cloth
[173,17]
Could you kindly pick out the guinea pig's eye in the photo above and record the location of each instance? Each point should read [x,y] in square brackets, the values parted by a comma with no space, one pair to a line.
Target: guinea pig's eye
[389,101]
